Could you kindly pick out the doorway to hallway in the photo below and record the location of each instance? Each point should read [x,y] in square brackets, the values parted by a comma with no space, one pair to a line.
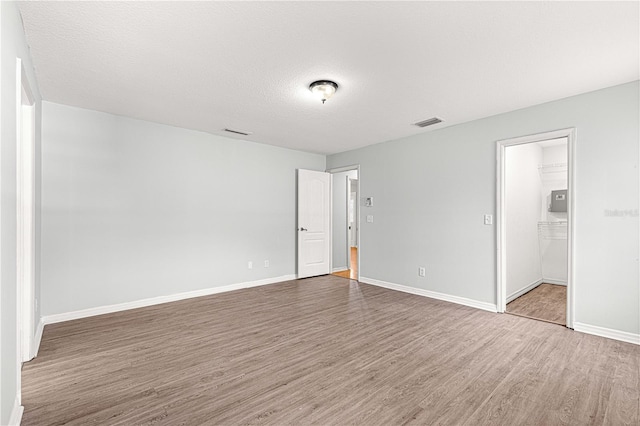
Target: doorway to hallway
[345,222]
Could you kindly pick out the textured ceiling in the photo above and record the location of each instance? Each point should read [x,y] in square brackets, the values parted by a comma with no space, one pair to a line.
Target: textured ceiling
[248,65]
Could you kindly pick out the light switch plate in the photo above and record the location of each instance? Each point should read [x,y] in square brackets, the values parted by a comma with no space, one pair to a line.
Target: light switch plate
[488,219]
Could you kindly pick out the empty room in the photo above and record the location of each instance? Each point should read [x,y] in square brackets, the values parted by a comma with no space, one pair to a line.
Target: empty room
[332,213]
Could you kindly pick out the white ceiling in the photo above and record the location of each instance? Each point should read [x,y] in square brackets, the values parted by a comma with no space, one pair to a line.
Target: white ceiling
[248,65]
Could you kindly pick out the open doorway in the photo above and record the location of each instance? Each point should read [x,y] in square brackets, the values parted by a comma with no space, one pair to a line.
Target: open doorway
[535,187]
[345,227]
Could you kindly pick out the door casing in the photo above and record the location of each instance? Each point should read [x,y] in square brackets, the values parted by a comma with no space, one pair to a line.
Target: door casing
[25,210]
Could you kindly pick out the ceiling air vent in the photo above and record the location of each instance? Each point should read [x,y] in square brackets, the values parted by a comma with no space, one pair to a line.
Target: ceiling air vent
[237,132]
[428,122]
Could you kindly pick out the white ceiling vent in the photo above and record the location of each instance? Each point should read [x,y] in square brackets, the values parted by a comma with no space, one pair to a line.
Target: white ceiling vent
[237,132]
[428,122]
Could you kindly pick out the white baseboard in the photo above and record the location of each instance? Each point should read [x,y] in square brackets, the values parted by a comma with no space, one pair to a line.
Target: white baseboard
[554,281]
[16,413]
[100,310]
[342,268]
[491,307]
[607,332]
[38,337]
[524,290]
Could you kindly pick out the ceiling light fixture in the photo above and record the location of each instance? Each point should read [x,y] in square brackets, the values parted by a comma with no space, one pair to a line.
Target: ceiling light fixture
[323,89]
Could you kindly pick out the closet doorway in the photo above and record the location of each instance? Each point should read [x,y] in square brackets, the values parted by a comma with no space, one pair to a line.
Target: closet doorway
[535,221]
[345,223]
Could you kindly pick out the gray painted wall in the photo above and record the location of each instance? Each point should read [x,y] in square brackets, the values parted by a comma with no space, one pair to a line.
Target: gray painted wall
[432,189]
[12,46]
[133,209]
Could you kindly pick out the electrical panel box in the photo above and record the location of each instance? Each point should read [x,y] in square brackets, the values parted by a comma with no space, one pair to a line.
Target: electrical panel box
[558,201]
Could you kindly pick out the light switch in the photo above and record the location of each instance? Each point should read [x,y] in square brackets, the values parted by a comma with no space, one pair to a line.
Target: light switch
[488,219]
[369,218]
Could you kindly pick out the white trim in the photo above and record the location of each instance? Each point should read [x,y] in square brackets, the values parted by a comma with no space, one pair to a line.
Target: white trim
[346,216]
[491,307]
[330,236]
[524,290]
[38,337]
[16,413]
[609,333]
[571,217]
[344,169]
[25,210]
[570,134]
[501,240]
[554,281]
[340,269]
[100,310]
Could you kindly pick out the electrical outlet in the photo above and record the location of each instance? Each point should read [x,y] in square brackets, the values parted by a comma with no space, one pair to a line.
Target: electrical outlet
[250,265]
[422,272]
[369,218]
[266,263]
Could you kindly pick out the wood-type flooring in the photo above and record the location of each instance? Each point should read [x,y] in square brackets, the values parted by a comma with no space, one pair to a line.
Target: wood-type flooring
[547,302]
[326,351]
[352,272]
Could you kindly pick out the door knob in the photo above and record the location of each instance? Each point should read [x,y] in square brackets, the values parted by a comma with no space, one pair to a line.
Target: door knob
[303,229]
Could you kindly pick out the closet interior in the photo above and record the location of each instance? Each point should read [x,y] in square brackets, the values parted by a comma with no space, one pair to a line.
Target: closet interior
[536,200]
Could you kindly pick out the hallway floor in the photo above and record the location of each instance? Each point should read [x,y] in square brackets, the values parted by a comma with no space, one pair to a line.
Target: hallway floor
[547,302]
[351,273]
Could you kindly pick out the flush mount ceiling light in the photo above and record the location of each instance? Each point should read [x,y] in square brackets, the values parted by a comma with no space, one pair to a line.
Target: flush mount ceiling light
[323,89]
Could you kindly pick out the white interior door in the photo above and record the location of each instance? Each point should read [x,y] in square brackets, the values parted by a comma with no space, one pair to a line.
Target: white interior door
[314,223]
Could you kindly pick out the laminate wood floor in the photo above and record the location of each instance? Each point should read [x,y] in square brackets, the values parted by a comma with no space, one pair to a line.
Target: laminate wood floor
[326,351]
[547,302]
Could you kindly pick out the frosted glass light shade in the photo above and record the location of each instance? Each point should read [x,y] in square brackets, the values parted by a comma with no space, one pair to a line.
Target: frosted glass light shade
[323,89]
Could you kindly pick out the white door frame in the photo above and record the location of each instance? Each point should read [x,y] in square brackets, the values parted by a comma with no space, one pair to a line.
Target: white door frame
[501,291]
[340,170]
[25,210]
[348,194]
[355,212]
